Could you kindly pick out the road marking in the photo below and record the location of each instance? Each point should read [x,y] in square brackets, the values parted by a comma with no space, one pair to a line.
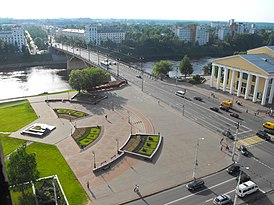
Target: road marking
[185,197]
[211,199]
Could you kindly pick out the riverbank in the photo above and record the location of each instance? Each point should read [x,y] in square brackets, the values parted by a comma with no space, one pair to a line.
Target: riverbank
[54,64]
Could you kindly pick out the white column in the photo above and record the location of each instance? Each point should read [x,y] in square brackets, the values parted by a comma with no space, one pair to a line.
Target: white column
[232,82]
[225,79]
[240,84]
[219,77]
[256,89]
[270,99]
[265,91]
[247,86]
[212,75]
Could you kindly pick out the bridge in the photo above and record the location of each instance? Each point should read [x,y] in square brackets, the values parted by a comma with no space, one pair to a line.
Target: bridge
[79,58]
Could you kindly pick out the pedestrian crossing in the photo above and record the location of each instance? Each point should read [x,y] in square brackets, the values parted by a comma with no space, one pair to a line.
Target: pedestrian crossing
[251,141]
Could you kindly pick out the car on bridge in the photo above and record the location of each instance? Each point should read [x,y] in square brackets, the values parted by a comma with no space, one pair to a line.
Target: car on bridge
[180,93]
[225,108]
[228,134]
[234,115]
[235,168]
[216,109]
[243,150]
[244,177]
[198,98]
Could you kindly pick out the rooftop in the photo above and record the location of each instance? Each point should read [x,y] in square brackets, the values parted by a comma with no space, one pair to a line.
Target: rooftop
[262,61]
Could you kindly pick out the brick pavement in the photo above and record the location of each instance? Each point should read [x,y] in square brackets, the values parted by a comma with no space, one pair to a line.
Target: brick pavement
[173,164]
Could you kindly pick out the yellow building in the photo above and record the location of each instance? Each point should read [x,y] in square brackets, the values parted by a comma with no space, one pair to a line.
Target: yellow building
[250,75]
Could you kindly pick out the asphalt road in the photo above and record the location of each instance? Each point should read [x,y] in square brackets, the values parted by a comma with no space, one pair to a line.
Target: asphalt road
[259,165]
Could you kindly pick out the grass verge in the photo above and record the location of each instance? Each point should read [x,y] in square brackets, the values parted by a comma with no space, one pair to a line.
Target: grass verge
[15,115]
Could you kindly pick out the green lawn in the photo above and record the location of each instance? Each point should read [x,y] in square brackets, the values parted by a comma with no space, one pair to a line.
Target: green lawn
[16,115]
[50,162]
[10,144]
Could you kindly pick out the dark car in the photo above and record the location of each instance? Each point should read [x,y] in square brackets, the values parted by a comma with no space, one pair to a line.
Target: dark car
[198,98]
[224,108]
[243,150]
[263,135]
[233,169]
[195,184]
[138,76]
[228,134]
[234,115]
[244,177]
[269,131]
[216,109]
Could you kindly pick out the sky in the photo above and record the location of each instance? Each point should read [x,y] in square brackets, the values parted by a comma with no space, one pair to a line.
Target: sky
[212,10]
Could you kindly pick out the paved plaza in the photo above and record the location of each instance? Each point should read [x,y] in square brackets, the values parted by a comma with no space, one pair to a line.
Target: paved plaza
[173,164]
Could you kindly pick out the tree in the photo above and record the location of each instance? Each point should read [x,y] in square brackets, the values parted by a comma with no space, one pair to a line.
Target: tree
[22,168]
[185,66]
[162,68]
[87,78]
[207,69]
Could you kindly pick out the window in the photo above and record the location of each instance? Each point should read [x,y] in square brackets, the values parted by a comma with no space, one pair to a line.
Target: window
[245,76]
[253,78]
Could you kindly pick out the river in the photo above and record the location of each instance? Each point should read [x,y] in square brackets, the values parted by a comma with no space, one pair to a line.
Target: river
[39,79]
[31,81]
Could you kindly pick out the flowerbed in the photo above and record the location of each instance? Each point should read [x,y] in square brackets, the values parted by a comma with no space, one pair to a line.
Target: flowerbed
[85,136]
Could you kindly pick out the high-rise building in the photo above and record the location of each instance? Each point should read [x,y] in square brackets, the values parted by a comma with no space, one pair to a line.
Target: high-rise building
[193,34]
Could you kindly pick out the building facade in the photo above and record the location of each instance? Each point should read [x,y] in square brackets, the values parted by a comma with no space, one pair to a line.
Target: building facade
[98,35]
[72,33]
[193,34]
[16,36]
[250,76]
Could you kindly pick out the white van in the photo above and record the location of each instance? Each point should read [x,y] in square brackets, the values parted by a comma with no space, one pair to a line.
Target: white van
[246,188]
[180,93]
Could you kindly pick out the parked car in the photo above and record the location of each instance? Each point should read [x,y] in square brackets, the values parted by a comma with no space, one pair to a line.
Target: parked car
[195,184]
[224,108]
[216,109]
[235,168]
[198,98]
[243,150]
[138,76]
[263,135]
[228,134]
[269,131]
[112,63]
[234,115]
[244,177]
[222,199]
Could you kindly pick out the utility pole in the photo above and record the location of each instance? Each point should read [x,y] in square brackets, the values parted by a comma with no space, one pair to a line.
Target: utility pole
[196,158]
[235,141]
[238,183]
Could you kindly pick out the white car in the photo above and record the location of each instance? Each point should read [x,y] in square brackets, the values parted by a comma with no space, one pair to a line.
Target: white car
[180,93]
[222,199]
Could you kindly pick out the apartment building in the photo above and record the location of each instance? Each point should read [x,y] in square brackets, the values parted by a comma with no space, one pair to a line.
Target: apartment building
[15,36]
[193,34]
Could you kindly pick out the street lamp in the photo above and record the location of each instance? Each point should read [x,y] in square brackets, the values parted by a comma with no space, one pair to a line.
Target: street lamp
[196,157]
[118,64]
[94,164]
[117,143]
[235,140]
[142,86]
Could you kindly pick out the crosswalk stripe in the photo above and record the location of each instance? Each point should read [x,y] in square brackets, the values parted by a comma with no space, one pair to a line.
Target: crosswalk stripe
[249,141]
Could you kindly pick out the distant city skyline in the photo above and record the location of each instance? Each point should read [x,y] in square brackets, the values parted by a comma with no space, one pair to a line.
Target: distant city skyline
[211,10]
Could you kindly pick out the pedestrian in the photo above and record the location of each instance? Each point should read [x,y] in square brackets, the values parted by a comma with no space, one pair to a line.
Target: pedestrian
[136,188]
[221,148]
[106,117]
[246,111]
[158,102]
[88,184]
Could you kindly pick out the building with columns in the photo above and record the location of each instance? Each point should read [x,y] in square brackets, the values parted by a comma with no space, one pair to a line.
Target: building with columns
[250,76]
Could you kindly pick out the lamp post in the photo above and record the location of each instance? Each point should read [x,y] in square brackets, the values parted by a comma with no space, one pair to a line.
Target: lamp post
[176,76]
[235,140]
[118,65]
[196,157]
[94,163]
[117,143]
[142,86]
